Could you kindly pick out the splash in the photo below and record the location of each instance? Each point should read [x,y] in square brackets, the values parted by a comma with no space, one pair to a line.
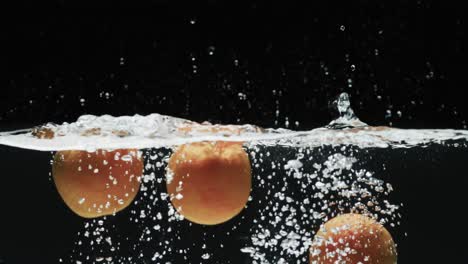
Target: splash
[346,117]
[91,132]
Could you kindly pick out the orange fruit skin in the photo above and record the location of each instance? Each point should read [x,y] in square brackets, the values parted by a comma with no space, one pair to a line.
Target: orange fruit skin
[94,184]
[353,239]
[210,182]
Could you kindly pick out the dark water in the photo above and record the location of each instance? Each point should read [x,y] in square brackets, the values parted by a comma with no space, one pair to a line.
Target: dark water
[429,181]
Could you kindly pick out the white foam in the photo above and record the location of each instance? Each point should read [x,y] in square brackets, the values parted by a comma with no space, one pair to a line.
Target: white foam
[153,131]
[91,132]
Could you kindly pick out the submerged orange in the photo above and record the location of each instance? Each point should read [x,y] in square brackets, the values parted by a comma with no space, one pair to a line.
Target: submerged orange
[99,183]
[353,239]
[209,182]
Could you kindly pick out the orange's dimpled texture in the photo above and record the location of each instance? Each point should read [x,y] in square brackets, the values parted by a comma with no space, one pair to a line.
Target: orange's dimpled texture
[210,182]
[94,184]
[353,239]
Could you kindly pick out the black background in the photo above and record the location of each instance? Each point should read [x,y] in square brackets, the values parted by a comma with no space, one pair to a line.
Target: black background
[290,57]
[266,57]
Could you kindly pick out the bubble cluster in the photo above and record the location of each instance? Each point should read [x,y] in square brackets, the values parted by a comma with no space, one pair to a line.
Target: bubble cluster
[305,187]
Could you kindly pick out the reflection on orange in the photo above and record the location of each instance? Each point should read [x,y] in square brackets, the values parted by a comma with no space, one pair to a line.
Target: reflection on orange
[94,184]
[209,182]
[353,239]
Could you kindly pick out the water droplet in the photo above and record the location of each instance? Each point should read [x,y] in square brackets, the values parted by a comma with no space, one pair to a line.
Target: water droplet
[211,50]
[388,113]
